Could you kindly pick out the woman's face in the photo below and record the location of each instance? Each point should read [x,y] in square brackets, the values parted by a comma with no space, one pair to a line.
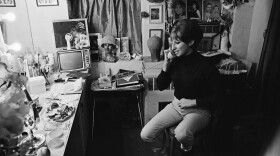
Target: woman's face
[208,7]
[179,10]
[194,6]
[180,48]
[216,9]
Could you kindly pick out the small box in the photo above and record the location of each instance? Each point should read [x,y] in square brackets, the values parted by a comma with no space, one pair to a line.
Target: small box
[128,80]
[36,85]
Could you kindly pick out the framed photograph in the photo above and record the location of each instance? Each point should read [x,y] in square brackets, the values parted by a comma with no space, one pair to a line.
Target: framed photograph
[71,33]
[156,32]
[179,10]
[194,9]
[7,3]
[156,14]
[211,9]
[47,2]
[124,44]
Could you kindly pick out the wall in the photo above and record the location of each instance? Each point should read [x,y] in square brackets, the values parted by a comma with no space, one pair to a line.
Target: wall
[38,20]
[259,24]
[241,29]
[146,26]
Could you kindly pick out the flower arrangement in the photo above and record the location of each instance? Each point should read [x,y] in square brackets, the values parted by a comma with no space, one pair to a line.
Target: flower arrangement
[13,109]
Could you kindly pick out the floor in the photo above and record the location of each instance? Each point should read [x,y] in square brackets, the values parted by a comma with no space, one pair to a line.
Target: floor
[117,132]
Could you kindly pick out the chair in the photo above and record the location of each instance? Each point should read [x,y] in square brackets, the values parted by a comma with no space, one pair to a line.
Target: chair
[206,140]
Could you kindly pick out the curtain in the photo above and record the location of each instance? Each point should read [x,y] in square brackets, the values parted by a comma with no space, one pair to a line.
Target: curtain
[119,18]
[268,77]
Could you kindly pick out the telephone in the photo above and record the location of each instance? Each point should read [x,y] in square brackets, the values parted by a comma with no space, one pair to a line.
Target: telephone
[169,54]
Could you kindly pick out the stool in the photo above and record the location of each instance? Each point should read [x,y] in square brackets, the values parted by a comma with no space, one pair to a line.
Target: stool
[199,138]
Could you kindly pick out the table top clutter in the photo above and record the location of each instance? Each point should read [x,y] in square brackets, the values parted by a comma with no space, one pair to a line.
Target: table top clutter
[56,133]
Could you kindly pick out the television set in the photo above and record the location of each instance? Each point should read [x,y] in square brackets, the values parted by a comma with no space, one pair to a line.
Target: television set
[71,27]
[73,60]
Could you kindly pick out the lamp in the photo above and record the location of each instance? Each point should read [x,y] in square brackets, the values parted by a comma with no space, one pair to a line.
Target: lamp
[4,47]
[9,16]
[5,57]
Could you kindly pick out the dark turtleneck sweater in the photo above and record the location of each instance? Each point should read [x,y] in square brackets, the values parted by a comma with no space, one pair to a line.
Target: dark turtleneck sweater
[194,77]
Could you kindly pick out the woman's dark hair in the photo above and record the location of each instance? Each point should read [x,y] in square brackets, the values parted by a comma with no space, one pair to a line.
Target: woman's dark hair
[180,3]
[196,5]
[187,30]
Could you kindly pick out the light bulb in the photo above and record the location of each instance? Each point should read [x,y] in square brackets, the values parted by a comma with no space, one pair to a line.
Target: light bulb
[15,47]
[9,16]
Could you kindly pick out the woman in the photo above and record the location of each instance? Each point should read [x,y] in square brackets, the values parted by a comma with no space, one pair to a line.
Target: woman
[215,16]
[179,10]
[208,12]
[196,88]
[194,12]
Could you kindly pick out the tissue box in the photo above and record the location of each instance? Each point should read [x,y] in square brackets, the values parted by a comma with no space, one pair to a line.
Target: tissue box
[36,85]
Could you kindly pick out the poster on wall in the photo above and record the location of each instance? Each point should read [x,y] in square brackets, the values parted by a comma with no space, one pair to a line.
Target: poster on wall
[47,2]
[7,3]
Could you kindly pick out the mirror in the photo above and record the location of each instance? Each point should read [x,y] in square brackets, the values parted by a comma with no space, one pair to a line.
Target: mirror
[18,30]
[33,27]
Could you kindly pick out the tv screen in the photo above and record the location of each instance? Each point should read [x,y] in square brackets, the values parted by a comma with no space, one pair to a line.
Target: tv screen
[71,61]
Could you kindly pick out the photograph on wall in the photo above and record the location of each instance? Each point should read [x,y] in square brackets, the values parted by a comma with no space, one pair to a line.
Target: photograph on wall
[179,10]
[7,3]
[156,14]
[71,33]
[194,9]
[211,10]
[47,2]
[156,32]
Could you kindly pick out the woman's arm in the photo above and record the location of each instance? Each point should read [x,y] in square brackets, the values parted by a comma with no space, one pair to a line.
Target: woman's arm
[198,14]
[164,78]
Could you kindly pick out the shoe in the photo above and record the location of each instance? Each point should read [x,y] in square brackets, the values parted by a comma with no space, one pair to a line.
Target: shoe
[160,152]
[163,152]
[186,149]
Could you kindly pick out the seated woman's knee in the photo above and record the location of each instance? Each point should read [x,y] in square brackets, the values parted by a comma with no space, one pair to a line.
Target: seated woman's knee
[146,135]
[183,135]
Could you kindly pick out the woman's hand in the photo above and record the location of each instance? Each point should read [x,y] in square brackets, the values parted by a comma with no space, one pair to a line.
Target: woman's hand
[186,103]
[167,60]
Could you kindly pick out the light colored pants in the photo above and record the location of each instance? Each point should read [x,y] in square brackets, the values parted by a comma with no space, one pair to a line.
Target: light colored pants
[190,121]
